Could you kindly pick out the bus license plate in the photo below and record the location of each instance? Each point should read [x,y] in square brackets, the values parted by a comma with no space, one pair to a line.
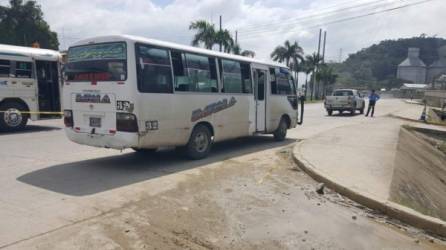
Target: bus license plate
[95,122]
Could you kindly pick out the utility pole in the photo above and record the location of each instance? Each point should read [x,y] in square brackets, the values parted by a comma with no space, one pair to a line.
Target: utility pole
[313,89]
[323,61]
[323,51]
[340,55]
[236,37]
[220,33]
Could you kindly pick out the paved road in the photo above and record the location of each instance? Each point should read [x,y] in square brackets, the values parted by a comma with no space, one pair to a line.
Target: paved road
[247,194]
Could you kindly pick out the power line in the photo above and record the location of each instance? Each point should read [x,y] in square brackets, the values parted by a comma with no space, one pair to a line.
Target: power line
[323,16]
[318,11]
[250,36]
[317,14]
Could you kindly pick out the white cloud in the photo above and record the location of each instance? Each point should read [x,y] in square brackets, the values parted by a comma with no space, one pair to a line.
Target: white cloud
[262,24]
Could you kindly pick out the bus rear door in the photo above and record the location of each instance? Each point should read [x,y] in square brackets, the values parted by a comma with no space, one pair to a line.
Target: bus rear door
[48,87]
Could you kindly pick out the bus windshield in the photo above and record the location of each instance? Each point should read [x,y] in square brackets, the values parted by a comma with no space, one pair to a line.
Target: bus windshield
[98,62]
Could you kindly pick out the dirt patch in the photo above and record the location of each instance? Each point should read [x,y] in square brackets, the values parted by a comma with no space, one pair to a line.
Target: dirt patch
[266,203]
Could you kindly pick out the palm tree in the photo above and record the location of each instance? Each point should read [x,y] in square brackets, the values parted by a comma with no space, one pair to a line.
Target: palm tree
[248,53]
[326,75]
[237,50]
[291,54]
[224,38]
[312,62]
[205,35]
[307,67]
[288,53]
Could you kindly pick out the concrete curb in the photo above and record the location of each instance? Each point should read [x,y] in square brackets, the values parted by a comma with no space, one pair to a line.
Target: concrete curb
[402,213]
[413,102]
[414,120]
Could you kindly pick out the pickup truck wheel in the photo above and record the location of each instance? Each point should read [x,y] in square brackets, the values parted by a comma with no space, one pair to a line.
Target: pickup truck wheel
[362,110]
[280,133]
[12,118]
[330,112]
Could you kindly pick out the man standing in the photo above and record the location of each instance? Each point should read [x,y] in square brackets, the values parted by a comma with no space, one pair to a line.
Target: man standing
[373,98]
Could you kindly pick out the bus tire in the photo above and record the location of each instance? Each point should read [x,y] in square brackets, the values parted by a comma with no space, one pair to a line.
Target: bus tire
[199,144]
[11,118]
[280,133]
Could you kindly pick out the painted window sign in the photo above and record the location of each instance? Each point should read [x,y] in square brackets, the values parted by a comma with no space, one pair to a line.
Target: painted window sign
[212,109]
[92,98]
[105,51]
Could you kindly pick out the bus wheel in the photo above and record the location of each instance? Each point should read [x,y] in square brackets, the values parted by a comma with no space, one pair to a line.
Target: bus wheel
[11,117]
[280,133]
[199,143]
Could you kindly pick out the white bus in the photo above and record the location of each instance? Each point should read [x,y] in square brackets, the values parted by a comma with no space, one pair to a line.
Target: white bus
[29,86]
[131,92]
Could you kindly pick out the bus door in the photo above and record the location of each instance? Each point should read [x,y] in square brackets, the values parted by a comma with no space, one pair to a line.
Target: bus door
[260,98]
[48,87]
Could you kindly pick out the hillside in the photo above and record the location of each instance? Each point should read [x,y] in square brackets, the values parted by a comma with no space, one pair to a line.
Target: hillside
[376,66]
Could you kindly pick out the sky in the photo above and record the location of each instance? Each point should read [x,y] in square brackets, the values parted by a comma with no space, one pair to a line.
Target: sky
[261,24]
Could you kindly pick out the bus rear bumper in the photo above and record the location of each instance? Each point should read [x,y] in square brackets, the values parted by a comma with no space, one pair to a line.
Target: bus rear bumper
[119,140]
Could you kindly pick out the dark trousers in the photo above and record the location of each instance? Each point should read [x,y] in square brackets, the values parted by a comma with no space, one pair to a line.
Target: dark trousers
[371,107]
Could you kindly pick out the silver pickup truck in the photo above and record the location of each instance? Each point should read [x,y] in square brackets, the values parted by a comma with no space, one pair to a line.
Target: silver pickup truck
[345,100]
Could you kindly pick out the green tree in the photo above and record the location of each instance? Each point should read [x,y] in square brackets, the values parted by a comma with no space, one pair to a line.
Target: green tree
[248,53]
[22,23]
[288,53]
[291,54]
[327,77]
[237,50]
[311,63]
[224,38]
[205,35]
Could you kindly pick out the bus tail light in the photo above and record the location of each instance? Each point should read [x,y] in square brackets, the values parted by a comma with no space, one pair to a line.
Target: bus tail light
[68,118]
[126,122]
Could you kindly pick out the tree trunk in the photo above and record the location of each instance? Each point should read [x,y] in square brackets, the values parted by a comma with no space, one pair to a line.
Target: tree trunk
[306,85]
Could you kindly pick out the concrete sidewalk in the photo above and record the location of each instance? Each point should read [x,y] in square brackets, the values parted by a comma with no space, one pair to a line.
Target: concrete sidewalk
[411,113]
[358,161]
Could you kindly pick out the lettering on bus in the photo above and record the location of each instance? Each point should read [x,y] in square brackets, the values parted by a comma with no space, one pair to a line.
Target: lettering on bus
[92,98]
[212,109]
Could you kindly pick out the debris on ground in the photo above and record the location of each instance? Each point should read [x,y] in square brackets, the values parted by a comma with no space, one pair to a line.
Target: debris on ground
[320,188]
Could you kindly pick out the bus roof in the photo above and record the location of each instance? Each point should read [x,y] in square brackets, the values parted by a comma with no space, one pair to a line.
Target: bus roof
[18,51]
[116,38]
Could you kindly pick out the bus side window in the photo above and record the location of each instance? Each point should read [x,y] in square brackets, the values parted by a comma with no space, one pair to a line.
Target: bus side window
[246,78]
[200,72]
[154,70]
[284,86]
[232,76]
[5,68]
[23,69]
[272,73]
[180,78]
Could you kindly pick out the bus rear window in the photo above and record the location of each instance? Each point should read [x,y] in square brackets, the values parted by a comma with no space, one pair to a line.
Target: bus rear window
[98,62]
